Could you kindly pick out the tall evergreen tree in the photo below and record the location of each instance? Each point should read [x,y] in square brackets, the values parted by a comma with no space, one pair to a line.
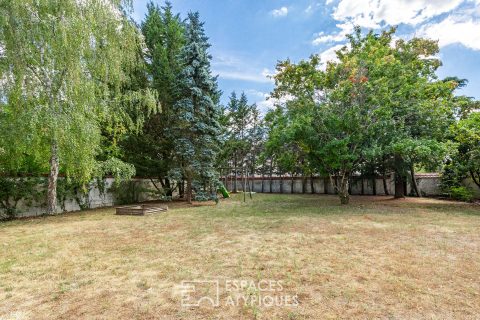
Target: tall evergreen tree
[152,151]
[197,130]
[243,136]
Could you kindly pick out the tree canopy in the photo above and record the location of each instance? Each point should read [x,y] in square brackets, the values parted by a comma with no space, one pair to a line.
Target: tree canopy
[66,68]
[380,103]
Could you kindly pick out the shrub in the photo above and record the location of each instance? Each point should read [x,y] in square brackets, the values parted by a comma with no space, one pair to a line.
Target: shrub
[205,196]
[462,194]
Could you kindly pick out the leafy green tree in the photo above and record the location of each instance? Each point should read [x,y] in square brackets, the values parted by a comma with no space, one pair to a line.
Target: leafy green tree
[65,64]
[467,135]
[197,130]
[378,102]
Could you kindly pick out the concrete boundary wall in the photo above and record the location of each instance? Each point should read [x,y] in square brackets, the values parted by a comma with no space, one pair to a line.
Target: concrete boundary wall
[428,185]
[95,199]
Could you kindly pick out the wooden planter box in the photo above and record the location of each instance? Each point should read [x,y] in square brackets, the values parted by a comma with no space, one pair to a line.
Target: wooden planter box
[141,209]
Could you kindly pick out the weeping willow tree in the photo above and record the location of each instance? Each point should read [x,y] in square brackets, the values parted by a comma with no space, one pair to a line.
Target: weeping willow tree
[65,73]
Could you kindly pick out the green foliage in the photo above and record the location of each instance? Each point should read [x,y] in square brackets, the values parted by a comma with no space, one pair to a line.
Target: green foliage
[453,175]
[462,193]
[67,66]
[243,135]
[464,158]
[121,171]
[205,196]
[13,190]
[151,151]
[379,107]
[197,129]
[467,135]
[128,192]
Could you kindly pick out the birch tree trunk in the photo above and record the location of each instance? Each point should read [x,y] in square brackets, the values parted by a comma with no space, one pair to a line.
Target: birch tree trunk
[52,180]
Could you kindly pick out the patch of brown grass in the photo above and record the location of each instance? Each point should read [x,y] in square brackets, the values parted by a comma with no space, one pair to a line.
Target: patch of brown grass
[376,258]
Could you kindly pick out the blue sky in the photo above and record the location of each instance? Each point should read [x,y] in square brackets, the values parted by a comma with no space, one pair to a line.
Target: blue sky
[248,37]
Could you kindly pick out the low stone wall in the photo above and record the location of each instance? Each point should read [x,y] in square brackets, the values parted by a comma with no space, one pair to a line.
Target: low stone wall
[428,185]
[95,199]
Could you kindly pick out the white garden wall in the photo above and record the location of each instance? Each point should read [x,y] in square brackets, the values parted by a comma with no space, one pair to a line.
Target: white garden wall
[96,199]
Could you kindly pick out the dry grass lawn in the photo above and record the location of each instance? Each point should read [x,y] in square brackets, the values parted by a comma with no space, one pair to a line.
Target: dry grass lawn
[376,258]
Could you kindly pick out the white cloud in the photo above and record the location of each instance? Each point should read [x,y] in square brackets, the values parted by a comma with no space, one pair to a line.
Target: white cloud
[243,76]
[330,54]
[262,99]
[370,13]
[256,93]
[282,12]
[267,73]
[460,26]
[312,8]
[454,29]
[321,37]
[233,67]
[266,105]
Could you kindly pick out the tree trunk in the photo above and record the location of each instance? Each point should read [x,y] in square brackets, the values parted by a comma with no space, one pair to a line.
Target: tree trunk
[304,183]
[271,176]
[168,188]
[226,179]
[312,184]
[281,183]
[342,188]
[399,178]
[374,185]
[181,188]
[363,187]
[263,179]
[242,178]
[189,190]
[399,186]
[325,186]
[385,188]
[414,182]
[52,180]
[343,191]
[474,178]
[235,171]
[291,186]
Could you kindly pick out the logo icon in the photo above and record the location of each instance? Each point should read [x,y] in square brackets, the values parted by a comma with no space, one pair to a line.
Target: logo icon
[198,292]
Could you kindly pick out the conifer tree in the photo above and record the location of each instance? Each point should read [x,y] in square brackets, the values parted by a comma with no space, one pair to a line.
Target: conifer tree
[197,130]
[152,151]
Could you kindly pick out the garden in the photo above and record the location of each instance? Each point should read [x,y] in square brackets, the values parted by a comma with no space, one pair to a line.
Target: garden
[132,186]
